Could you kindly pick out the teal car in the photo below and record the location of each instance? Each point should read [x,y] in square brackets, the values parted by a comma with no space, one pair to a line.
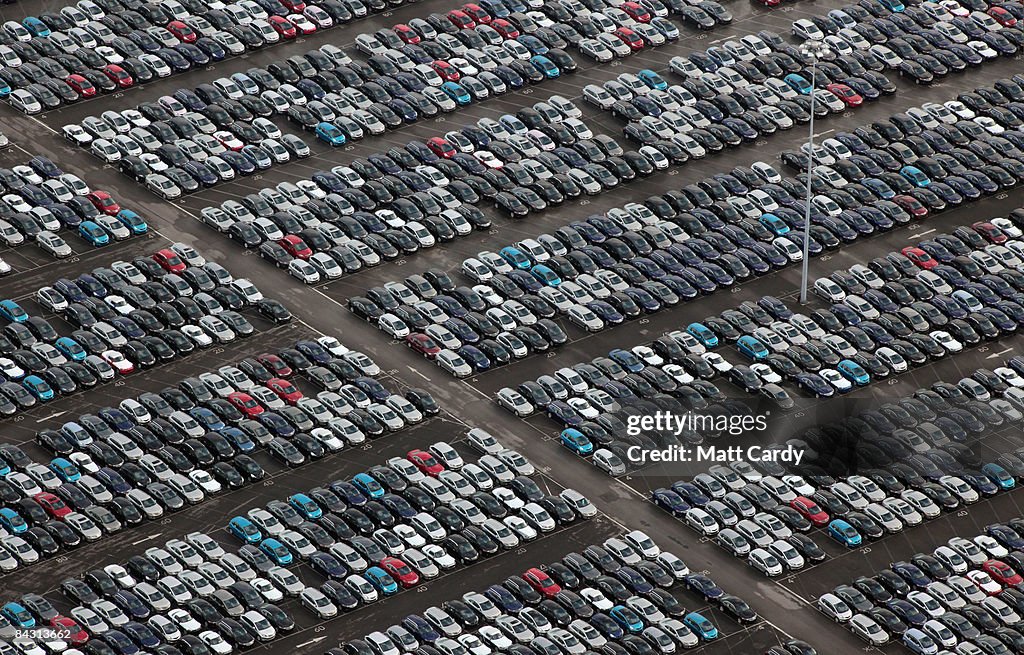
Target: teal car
[12,521]
[515,257]
[330,133]
[703,334]
[70,349]
[652,79]
[853,372]
[545,275]
[545,66]
[999,476]
[12,311]
[700,624]
[915,176]
[133,221]
[752,348]
[38,387]
[276,551]
[381,580]
[245,530]
[893,5]
[774,224]
[844,533]
[627,618]
[576,441]
[17,615]
[368,485]
[305,506]
[93,234]
[798,83]
[35,26]
[65,470]
[456,92]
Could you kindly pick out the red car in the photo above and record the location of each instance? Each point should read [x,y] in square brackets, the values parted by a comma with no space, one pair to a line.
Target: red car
[920,257]
[406,33]
[425,462]
[770,3]
[104,202]
[182,31]
[1002,573]
[1002,16]
[245,403]
[477,13]
[506,29]
[76,635]
[294,6]
[422,344]
[629,37]
[80,85]
[275,364]
[118,76]
[441,148]
[400,571]
[285,390]
[542,582]
[636,11]
[809,510]
[282,26]
[990,232]
[52,503]
[447,72]
[169,261]
[461,19]
[911,205]
[846,94]
[296,247]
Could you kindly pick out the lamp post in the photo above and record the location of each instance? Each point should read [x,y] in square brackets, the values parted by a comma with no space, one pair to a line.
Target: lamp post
[813,50]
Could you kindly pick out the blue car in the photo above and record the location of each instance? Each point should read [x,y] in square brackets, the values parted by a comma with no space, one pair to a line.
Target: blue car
[133,221]
[456,92]
[70,349]
[915,176]
[669,501]
[515,257]
[305,506]
[35,26]
[94,235]
[627,618]
[704,628]
[329,133]
[798,83]
[652,79]
[368,485]
[627,360]
[381,580]
[18,616]
[576,441]
[245,530]
[752,348]
[207,418]
[276,551]
[703,334]
[853,372]
[844,533]
[12,521]
[545,66]
[999,476]
[12,311]
[65,470]
[545,275]
[38,387]
[774,224]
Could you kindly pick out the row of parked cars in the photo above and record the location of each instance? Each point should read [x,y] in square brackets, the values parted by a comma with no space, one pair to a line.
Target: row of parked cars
[92,48]
[162,451]
[126,317]
[41,204]
[962,597]
[615,597]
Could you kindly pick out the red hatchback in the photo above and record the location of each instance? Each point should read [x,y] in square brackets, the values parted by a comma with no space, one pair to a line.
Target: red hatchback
[52,503]
[80,85]
[1002,573]
[477,13]
[182,31]
[846,94]
[118,76]
[245,403]
[447,72]
[425,462]
[282,26]
[76,636]
[441,147]
[911,205]
[169,261]
[809,510]
[461,19]
[506,29]
[400,571]
[1002,16]
[285,390]
[636,11]
[422,344]
[296,247]
[275,364]
[104,202]
[630,38]
[542,582]
[294,6]
[991,233]
[406,33]
[920,257]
